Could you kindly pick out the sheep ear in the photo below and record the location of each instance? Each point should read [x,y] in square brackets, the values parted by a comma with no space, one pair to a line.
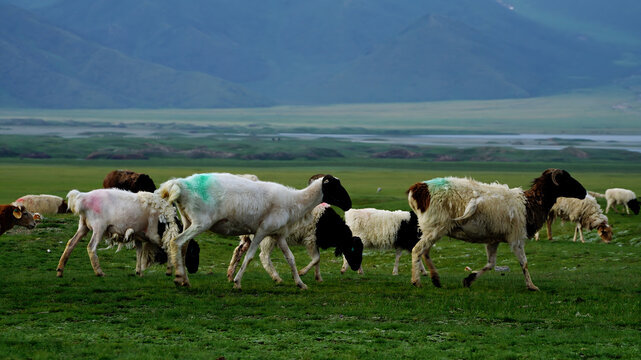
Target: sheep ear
[17,213]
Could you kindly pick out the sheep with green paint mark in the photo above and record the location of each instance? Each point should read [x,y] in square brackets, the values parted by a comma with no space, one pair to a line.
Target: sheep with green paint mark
[233,205]
[484,213]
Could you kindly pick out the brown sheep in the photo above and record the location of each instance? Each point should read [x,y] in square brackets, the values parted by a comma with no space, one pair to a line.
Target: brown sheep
[129,180]
[11,216]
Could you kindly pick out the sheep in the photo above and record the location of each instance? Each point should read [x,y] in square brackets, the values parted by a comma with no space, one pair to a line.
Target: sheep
[129,180]
[485,213]
[321,228]
[586,213]
[12,215]
[121,214]
[383,229]
[43,204]
[625,197]
[232,205]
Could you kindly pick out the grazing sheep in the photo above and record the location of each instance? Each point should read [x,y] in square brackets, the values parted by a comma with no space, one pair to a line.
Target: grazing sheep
[12,215]
[623,197]
[321,228]
[485,213]
[43,204]
[586,213]
[232,205]
[128,180]
[383,229]
[121,215]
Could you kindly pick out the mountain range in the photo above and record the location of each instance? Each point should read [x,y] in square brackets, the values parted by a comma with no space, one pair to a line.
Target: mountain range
[246,53]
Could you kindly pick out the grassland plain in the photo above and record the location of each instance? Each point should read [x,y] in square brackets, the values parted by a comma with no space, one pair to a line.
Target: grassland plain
[589,305]
[611,110]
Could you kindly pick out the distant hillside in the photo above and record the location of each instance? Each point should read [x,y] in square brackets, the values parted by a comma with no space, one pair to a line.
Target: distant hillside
[44,66]
[216,53]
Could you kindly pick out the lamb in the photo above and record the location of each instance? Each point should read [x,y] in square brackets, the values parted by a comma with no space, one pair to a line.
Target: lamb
[142,217]
[43,204]
[12,215]
[321,228]
[383,229]
[232,205]
[129,180]
[625,197]
[485,213]
[586,213]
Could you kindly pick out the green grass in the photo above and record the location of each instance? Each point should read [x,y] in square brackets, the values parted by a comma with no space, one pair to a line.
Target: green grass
[579,112]
[588,306]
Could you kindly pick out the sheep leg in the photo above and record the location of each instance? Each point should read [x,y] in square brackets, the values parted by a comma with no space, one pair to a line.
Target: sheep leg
[396,261]
[245,240]
[518,250]
[265,258]
[430,265]
[139,259]
[627,209]
[91,250]
[314,254]
[422,248]
[71,244]
[258,237]
[176,253]
[344,268]
[490,249]
[282,244]
[578,226]
[548,226]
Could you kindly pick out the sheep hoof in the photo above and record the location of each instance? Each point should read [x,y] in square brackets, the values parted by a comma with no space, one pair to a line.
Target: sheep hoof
[417,283]
[237,286]
[139,273]
[532,288]
[436,281]
[319,279]
[180,281]
[59,273]
[302,286]
[467,282]
[100,274]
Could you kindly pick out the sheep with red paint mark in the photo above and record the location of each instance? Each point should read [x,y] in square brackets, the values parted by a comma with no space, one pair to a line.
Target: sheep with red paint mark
[232,205]
[43,204]
[120,214]
[490,214]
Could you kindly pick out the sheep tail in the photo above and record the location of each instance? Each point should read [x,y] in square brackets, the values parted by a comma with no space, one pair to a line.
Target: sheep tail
[169,190]
[596,194]
[72,200]
[470,209]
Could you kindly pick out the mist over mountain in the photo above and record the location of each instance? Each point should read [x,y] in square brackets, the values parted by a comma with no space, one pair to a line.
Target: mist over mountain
[221,53]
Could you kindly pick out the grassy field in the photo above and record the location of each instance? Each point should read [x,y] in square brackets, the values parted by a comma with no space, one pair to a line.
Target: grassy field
[588,306]
[612,110]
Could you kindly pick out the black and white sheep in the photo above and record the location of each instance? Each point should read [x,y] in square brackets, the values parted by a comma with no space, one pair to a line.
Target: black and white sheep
[143,217]
[586,214]
[485,213]
[625,197]
[232,205]
[383,229]
[322,228]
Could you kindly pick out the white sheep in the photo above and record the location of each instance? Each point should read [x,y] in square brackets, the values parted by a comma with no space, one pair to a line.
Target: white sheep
[232,205]
[43,204]
[625,197]
[485,213]
[586,214]
[321,228]
[120,214]
[383,229]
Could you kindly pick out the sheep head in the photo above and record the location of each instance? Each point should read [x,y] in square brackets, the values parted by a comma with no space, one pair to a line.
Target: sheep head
[23,217]
[634,206]
[563,184]
[353,252]
[335,194]
[605,232]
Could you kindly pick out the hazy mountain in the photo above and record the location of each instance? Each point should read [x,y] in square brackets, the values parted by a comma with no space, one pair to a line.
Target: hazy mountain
[331,51]
[44,66]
